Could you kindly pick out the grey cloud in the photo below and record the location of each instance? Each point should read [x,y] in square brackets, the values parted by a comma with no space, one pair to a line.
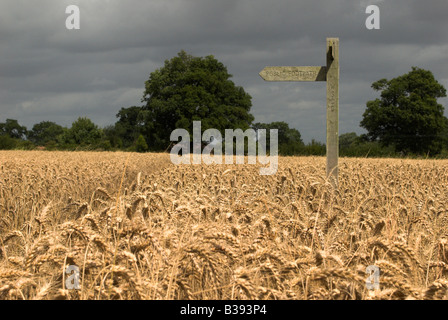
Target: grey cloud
[50,73]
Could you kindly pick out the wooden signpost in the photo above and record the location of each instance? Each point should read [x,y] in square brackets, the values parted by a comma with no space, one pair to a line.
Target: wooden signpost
[330,74]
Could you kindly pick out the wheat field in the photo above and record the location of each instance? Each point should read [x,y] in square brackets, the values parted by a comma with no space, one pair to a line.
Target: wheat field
[138,227]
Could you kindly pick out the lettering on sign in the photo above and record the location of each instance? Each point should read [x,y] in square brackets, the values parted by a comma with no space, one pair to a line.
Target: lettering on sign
[294,73]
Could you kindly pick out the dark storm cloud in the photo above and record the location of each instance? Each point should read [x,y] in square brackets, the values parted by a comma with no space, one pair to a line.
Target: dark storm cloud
[50,73]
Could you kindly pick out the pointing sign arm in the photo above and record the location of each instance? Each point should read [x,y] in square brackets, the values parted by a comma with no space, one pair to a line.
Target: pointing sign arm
[294,73]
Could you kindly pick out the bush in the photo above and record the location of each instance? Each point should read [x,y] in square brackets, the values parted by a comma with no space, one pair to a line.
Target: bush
[315,148]
[141,145]
[25,145]
[104,145]
[7,143]
[51,145]
[368,149]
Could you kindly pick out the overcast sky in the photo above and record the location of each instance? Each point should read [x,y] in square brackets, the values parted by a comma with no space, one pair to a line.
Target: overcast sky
[50,73]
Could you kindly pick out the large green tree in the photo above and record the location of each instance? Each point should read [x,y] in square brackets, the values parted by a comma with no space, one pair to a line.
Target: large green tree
[407,116]
[45,132]
[130,125]
[13,129]
[83,132]
[188,89]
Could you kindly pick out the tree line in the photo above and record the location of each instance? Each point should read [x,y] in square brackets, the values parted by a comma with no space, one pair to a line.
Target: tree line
[405,120]
[86,135]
